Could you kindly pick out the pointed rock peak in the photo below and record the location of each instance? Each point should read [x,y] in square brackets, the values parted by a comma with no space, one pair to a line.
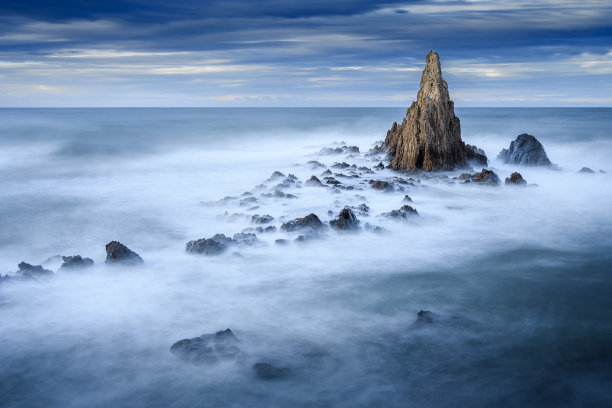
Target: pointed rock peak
[433,85]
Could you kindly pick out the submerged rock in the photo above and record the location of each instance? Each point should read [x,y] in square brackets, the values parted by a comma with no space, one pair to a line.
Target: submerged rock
[425,317]
[30,271]
[516,179]
[404,212]
[586,170]
[205,246]
[429,137]
[76,262]
[208,348]
[526,150]
[276,176]
[381,185]
[314,182]
[346,221]
[117,253]
[406,199]
[267,371]
[261,219]
[309,222]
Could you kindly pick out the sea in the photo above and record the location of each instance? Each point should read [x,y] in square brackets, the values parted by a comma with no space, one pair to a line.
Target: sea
[518,279]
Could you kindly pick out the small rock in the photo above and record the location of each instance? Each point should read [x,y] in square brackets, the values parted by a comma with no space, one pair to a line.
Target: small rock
[76,262]
[117,253]
[487,177]
[425,317]
[586,170]
[281,241]
[380,166]
[404,212]
[525,150]
[314,182]
[29,271]
[516,179]
[205,246]
[346,221]
[208,348]
[475,155]
[275,176]
[261,219]
[381,185]
[311,221]
[406,199]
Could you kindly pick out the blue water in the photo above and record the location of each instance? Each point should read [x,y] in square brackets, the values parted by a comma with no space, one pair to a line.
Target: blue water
[519,279]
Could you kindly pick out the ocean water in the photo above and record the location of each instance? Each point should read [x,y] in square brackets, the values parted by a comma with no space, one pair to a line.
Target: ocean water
[520,279]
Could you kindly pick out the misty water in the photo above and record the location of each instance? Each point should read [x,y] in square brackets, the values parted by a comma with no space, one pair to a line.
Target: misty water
[520,279]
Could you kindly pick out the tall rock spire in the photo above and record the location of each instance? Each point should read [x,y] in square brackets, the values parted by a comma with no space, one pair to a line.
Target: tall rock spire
[429,137]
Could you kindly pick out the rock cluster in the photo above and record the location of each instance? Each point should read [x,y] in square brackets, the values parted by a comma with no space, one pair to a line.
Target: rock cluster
[429,137]
[526,150]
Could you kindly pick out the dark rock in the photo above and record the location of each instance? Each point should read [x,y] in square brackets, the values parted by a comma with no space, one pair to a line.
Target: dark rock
[380,166]
[244,238]
[362,209]
[475,155]
[276,175]
[346,221]
[526,150]
[407,199]
[429,137]
[517,179]
[487,177]
[261,219]
[266,230]
[315,164]
[326,173]
[29,271]
[267,371]
[332,181]
[404,212]
[381,185]
[281,241]
[342,165]
[117,253]
[76,262]
[425,317]
[205,246]
[314,182]
[586,170]
[247,201]
[309,222]
[208,348]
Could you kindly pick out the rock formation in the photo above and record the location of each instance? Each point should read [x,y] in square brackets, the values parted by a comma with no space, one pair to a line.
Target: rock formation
[525,150]
[117,253]
[429,137]
[346,221]
[208,348]
[516,179]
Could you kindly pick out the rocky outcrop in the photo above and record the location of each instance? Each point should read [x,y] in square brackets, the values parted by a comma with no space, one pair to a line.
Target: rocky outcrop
[117,253]
[475,155]
[526,150]
[586,170]
[486,177]
[429,137]
[76,262]
[314,182]
[261,219]
[310,222]
[219,243]
[404,212]
[346,221]
[516,179]
[208,348]
[29,271]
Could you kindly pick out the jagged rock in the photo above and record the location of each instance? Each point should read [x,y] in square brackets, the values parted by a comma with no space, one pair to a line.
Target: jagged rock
[309,222]
[487,177]
[267,371]
[268,229]
[205,246]
[406,199]
[117,253]
[76,262]
[208,348]
[475,155]
[404,212]
[30,271]
[243,238]
[381,185]
[586,170]
[261,219]
[342,165]
[526,150]
[361,209]
[326,173]
[517,179]
[346,221]
[275,176]
[314,182]
[429,137]
[425,317]
[332,181]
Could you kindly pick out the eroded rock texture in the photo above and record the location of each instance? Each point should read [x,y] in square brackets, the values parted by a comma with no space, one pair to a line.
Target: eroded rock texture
[429,137]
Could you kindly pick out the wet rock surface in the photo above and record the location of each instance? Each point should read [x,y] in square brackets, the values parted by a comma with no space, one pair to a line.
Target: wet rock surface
[117,253]
[526,150]
[208,348]
[346,221]
[516,179]
[76,262]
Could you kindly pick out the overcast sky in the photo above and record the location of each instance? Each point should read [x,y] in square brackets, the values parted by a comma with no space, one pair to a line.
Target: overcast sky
[307,53]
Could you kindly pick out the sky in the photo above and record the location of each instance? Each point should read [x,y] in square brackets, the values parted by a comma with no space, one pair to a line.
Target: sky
[167,53]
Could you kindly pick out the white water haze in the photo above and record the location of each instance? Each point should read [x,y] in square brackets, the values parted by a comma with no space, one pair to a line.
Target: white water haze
[519,277]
